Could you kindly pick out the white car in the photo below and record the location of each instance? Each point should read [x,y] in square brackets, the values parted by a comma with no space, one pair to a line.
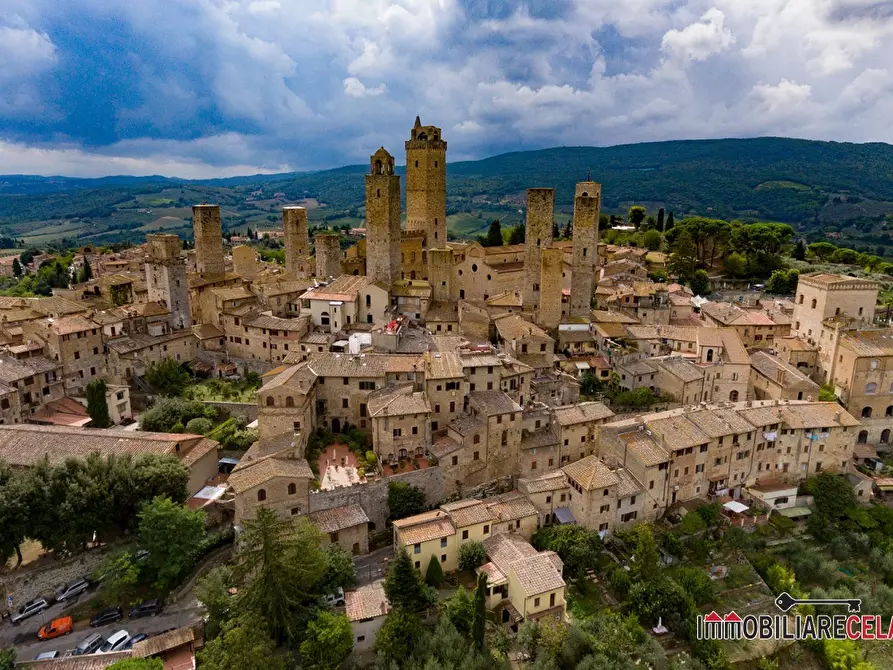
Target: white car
[30,608]
[336,597]
[115,642]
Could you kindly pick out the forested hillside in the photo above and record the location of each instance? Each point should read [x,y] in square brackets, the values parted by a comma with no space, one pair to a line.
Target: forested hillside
[806,183]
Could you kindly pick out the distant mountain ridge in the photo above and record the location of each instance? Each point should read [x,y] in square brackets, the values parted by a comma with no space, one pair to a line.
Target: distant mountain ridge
[803,182]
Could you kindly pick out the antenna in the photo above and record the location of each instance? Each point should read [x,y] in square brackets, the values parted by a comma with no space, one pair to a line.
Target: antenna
[588,174]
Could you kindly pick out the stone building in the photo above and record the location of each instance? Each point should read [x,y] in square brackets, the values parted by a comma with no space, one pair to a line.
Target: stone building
[773,379]
[208,234]
[401,423]
[328,254]
[382,219]
[540,213]
[587,208]
[297,242]
[426,184]
[246,262]
[166,278]
[346,527]
[73,341]
[26,385]
[825,296]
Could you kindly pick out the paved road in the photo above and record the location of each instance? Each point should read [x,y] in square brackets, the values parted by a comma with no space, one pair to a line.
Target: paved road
[23,637]
[373,566]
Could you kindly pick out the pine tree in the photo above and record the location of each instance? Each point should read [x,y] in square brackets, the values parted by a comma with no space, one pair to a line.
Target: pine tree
[480,612]
[434,574]
[16,267]
[97,405]
[660,219]
[404,587]
[517,235]
[493,238]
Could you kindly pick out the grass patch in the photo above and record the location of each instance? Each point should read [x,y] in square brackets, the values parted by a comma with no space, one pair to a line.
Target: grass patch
[584,599]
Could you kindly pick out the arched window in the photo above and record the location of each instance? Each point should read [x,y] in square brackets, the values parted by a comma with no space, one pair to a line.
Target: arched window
[368,300]
[801,298]
[292,489]
[733,396]
[814,303]
[863,437]
[866,412]
[270,401]
[871,387]
[889,410]
[289,402]
[885,436]
[261,495]
[324,318]
[709,355]
[476,439]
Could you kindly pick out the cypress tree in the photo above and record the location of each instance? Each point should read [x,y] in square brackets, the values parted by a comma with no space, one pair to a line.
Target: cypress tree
[670,221]
[480,611]
[97,406]
[16,267]
[434,574]
[660,219]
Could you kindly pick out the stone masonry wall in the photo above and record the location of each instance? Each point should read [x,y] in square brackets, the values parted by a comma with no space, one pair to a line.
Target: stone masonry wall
[297,241]
[207,230]
[587,207]
[540,208]
[328,255]
[549,315]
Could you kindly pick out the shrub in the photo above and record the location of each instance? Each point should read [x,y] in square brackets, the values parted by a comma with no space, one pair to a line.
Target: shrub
[199,426]
[471,555]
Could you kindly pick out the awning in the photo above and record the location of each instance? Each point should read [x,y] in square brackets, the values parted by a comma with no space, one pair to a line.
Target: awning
[794,512]
[582,365]
[564,515]
[736,507]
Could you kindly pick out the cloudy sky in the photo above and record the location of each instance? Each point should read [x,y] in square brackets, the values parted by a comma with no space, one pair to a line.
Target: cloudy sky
[199,88]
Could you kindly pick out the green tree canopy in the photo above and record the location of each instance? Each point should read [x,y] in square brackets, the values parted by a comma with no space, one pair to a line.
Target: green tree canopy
[652,239]
[833,494]
[822,251]
[16,268]
[404,587]
[493,238]
[700,283]
[212,591]
[636,215]
[243,645]
[471,555]
[97,405]
[434,573]
[168,377]
[282,565]
[516,236]
[405,500]
[340,569]
[736,264]
[86,273]
[398,636]
[578,547]
[327,642]
[173,534]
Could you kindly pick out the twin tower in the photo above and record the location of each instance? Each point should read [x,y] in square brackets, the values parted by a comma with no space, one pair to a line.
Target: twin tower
[425,202]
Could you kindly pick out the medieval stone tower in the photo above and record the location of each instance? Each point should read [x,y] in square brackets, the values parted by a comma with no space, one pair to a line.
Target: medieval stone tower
[328,254]
[538,235]
[587,207]
[297,242]
[552,264]
[382,219]
[208,233]
[440,272]
[426,184]
[166,277]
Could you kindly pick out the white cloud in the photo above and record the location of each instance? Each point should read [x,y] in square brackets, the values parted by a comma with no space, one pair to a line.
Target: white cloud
[357,89]
[698,41]
[782,97]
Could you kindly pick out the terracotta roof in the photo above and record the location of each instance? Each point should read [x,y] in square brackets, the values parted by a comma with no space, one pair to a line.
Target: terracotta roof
[163,642]
[70,324]
[262,471]
[429,530]
[869,343]
[328,364]
[568,415]
[13,369]
[629,485]
[466,425]
[445,365]
[367,602]
[139,341]
[299,377]
[62,412]
[276,323]
[513,327]
[678,432]
[591,473]
[719,422]
[339,518]
[550,481]
[397,402]
[491,403]
[644,448]
[444,445]
[25,444]
[538,574]
[682,368]
[545,437]
[770,367]
[467,512]
[504,549]
[90,662]
[405,522]
[206,331]
[345,287]
[510,506]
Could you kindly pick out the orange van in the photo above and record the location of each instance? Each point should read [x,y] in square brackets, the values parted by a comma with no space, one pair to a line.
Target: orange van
[55,628]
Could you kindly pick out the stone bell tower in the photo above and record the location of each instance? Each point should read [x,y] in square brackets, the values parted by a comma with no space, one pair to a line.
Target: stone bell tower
[426,184]
[382,219]
[587,207]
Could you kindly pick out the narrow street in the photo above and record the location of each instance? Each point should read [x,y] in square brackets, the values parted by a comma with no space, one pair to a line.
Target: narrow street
[373,566]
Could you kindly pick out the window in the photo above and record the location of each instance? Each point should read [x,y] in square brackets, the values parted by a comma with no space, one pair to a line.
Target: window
[455,460]
[603,526]
[261,495]
[367,386]
[533,465]
[464,534]
[477,456]
[604,508]
[871,387]
[651,485]
[486,528]
[476,439]
[814,303]
[866,412]
[398,432]
[443,558]
[699,468]
[536,602]
[443,543]
[292,489]
[417,549]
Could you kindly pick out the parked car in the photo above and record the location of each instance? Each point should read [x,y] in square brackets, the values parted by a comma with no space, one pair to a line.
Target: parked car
[89,644]
[47,656]
[146,608]
[72,589]
[336,597]
[141,555]
[139,637]
[30,608]
[110,615]
[115,642]
[55,628]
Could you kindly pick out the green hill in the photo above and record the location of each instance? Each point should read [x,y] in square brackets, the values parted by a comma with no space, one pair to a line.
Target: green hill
[806,183]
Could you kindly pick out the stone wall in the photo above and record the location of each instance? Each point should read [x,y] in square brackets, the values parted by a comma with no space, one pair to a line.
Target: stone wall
[373,497]
[587,207]
[28,583]
[243,365]
[538,235]
[208,234]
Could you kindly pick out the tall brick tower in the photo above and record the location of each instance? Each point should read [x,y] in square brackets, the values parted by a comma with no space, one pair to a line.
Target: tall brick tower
[426,184]
[166,277]
[382,219]
[538,235]
[208,233]
[440,271]
[328,254]
[587,207]
[552,264]
[297,242]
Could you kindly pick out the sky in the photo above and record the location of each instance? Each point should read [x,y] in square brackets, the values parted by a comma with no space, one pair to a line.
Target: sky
[202,88]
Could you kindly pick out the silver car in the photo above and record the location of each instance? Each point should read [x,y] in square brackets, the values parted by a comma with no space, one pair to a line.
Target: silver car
[30,608]
[72,589]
